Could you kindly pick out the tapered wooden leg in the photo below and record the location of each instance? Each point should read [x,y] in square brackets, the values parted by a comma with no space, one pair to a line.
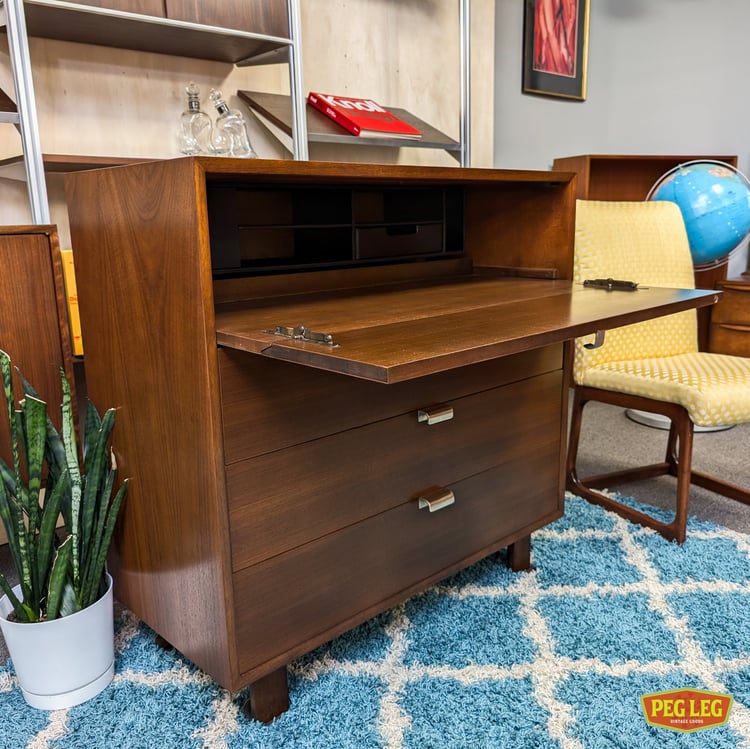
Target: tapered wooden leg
[269,697]
[519,554]
[162,643]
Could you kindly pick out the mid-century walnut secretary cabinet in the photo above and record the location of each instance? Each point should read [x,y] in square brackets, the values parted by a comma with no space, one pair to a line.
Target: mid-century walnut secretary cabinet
[336,383]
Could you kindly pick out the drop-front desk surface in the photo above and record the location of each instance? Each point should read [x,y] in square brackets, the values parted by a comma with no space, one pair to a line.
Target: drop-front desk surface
[336,385]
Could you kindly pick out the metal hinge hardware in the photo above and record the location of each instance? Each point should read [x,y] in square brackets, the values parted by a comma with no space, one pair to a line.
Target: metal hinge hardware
[301,333]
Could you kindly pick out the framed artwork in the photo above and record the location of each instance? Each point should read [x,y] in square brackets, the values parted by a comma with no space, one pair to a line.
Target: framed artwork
[555,47]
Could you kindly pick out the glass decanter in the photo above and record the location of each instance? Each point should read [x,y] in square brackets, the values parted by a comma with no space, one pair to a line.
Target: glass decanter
[230,136]
[194,134]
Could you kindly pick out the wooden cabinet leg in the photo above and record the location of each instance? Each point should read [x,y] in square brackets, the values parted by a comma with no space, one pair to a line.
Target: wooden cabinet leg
[269,697]
[519,554]
[162,643]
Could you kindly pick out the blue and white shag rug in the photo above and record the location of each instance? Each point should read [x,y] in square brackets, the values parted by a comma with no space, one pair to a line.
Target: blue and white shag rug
[554,658]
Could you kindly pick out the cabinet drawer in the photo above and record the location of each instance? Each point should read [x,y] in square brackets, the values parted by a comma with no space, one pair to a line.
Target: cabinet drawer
[269,405]
[298,600]
[727,338]
[289,497]
[734,305]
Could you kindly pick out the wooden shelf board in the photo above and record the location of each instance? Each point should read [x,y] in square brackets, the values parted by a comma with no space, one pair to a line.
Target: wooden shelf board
[277,109]
[111,28]
[6,103]
[13,167]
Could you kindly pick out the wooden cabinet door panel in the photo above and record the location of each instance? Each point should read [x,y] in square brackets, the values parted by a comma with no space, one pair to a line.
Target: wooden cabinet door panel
[259,16]
[33,318]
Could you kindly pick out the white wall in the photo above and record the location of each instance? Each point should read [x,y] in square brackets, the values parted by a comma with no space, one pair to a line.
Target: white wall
[664,77]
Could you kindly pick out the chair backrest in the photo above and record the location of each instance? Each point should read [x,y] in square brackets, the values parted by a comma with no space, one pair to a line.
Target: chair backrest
[642,241]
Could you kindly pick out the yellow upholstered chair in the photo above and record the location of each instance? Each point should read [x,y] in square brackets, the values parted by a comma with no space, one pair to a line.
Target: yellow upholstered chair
[654,366]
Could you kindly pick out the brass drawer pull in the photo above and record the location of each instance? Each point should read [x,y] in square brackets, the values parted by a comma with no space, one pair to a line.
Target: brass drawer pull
[435,414]
[436,499]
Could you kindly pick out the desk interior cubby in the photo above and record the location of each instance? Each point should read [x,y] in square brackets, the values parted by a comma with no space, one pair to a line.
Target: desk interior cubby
[256,229]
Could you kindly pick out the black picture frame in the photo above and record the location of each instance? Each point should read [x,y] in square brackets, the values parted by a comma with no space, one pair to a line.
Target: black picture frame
[555,48]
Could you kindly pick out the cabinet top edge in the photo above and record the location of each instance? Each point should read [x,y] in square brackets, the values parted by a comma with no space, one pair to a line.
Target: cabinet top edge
[215,169]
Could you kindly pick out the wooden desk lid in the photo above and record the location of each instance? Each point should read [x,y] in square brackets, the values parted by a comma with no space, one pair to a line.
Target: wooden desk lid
[389,334]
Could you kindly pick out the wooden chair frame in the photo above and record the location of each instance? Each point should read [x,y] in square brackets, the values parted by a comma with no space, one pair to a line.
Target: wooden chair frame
[677,462]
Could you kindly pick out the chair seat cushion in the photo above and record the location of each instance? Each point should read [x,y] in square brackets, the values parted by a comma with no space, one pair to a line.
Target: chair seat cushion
[713,388]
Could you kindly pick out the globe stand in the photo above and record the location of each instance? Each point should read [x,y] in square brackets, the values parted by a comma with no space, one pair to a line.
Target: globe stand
[657,421]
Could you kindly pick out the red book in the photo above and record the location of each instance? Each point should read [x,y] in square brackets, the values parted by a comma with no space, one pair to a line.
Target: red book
[362,117]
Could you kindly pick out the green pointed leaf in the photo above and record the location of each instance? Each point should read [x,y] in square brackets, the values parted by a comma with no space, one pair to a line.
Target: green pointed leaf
[70,604]
[76,481]
[59,577]
[47,539]
[99,563]
[23,612]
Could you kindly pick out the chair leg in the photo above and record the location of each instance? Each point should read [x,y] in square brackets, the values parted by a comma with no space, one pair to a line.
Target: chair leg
[725,488]
[681,432]
[677,463]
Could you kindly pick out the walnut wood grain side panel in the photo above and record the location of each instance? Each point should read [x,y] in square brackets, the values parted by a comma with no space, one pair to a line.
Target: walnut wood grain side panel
[301,599]
[623,176]
[144,286]
[268,405]
[522,226]
[34,321]
[146,7]
[290,497]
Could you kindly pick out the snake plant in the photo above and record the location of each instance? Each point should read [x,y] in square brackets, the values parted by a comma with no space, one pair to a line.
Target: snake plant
[60,565]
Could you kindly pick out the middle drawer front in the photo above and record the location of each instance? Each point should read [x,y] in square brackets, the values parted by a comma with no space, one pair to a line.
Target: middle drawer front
[269,405]
[290,497]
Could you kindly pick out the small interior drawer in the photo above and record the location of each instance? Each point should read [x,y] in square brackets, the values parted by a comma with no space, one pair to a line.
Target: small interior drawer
[269,405]
[290,497]
[398,240]
[311,593]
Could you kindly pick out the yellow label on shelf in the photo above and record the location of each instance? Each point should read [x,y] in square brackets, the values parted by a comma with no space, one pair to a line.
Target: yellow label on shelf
[71,295]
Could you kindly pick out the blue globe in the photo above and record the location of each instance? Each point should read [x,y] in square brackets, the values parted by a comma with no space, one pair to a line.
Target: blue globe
[714,199]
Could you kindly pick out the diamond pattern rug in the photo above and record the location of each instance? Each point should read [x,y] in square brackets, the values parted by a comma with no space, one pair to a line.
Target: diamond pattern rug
[557,658]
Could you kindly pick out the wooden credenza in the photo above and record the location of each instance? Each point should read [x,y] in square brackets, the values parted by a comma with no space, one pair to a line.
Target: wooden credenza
[336,384]
[730,318]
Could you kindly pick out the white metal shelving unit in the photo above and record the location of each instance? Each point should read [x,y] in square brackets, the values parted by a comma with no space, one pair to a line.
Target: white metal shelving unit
[93,25]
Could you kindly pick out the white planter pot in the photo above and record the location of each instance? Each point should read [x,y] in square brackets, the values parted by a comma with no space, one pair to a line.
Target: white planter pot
[66,661]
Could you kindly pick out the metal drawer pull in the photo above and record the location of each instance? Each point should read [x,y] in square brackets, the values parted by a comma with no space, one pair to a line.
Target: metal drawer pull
[735,326]
[435,414]
[436,499]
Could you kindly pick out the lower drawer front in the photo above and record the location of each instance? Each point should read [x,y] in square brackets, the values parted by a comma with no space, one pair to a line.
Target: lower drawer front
[291,497]
[730,339]
[298,600]
[734,305]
